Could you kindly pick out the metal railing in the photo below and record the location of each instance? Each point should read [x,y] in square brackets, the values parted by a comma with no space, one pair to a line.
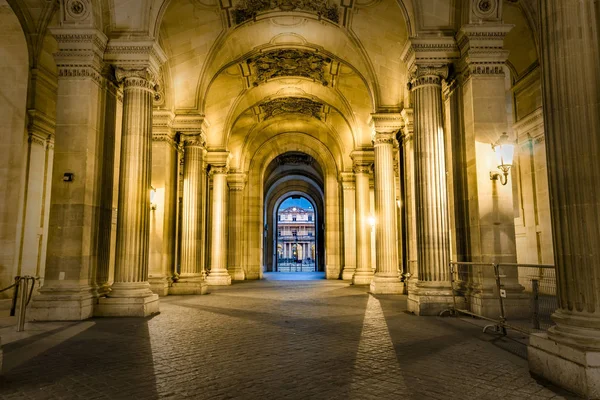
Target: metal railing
[521,297]
[21,287]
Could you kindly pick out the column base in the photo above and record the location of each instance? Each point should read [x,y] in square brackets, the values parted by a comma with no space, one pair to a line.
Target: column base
[348,273]
[332,272]
[62,303]
[382,284]
[572,368]
[184,287]
[430,298]
[159,285]
[127,306]
[517,304]
[219,278]
[362,277]
[237,274]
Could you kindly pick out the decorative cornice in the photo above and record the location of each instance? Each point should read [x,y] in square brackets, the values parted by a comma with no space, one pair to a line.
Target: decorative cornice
[236,181]
[80,53]
[427,51]
[190,123]
[348,180]
[218,159]
[362,161]
[40,124]
[386,122]
[37,138]
[247,10]
[482,49]
[530,126]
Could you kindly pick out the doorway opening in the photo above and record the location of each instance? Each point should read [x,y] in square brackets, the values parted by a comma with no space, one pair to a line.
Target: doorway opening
[296,239]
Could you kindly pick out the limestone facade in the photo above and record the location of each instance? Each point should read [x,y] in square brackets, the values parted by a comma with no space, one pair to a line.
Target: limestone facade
[149,144]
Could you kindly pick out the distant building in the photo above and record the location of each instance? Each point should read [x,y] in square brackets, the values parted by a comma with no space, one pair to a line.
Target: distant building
[296,239]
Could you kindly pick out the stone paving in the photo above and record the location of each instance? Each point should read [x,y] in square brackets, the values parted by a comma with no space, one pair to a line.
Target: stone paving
[275,340]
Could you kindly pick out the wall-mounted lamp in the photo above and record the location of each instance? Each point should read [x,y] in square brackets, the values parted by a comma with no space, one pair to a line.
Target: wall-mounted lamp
[152,195]
[505,151]
[68,177]
[372,221]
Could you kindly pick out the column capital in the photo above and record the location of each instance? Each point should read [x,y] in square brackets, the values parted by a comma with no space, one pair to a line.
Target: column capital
[362,161]
[429,51]
[80,52]
[218,161]
[193,140]
[427,75]
[40,124]
[162,130]
[136,59]
[237,181]
[408,114]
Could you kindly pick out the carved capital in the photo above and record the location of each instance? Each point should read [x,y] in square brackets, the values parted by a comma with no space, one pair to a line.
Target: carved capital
[386,122]
[384,139]
[218,170]
[428,75]
[193,140]
[347,180]
[141,60]
[137,77]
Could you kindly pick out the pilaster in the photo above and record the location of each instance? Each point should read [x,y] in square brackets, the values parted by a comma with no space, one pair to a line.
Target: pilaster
[74,248]
[235,219]
[348,184]
[409,196]
[163,200]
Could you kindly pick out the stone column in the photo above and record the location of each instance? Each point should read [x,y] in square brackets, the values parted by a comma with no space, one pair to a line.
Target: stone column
[569,354]
[409,195]
[191,277]
[387,278]
[363,163]
[433,291]
[349,201]
[218,254]
[235,217]
[69,288]
[165,150]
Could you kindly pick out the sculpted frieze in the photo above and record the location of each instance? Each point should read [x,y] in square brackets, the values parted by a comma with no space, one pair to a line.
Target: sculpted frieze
[290,62]
[291,105]
[246,10]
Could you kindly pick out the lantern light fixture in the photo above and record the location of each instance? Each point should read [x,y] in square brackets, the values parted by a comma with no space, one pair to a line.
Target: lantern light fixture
[505,151]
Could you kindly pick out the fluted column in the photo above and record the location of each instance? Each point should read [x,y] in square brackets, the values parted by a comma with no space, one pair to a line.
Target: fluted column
[387,277]
[433,241]
[191,277]
[218,252]
[363,164]
[131,294]
[235,220]
[349,201]
[569,354]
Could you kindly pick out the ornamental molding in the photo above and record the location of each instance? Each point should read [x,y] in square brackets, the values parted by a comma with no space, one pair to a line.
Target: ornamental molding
[348,180]
[295,159]
[289,62]
[190,123]
[162,119]
[40,124]
[531,125]
[136,56]
[236,181]
[218,158]
[384,139]
[193,140]
[427,51]
[291,105]
[362,161]
[428,75]
[408,115]
[79,72]
[38,138]
[75,11]
[485,10]
[165,138]
[248,10]
[218,170]
[386,122]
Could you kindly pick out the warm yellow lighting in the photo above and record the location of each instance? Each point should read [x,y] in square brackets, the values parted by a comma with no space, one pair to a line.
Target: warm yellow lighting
[372,221]
[152,198]
[505,151]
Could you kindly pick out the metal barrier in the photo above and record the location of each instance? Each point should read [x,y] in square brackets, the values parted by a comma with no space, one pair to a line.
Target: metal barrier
[533,297]
[22,284]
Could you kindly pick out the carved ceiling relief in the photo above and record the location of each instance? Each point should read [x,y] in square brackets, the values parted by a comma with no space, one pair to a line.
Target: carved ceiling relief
[291,105]
[290,62]
[245,10]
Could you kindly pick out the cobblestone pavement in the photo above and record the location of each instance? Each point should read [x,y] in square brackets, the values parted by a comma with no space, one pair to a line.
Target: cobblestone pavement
[275,340]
